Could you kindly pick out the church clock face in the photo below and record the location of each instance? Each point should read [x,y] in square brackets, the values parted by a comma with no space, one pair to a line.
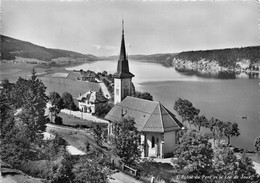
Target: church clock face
[126,84]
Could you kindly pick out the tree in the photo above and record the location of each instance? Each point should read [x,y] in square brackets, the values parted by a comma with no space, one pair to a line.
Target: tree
[217,128]
[104,73]
[53,148]
[103,109]
[97,131]
[33,109]
[8,94]
[126,141]
[143,95]
[56,102]
[231,168]
[90,169]
[257,144]
[30,96]
[63,172]
[58,120]
[200,121]
[68,101]
[194,155]
[16,146]
[231,130]
[20,90]
[246,170]
[185,109]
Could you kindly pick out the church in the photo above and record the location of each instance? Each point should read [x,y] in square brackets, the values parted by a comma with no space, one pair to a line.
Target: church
[158,127]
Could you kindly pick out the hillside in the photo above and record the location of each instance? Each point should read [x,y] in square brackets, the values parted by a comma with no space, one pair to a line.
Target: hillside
[11,48]
[225,57]
[164,58]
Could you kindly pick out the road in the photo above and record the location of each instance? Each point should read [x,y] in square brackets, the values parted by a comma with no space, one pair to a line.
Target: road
[104,89]
[120,177]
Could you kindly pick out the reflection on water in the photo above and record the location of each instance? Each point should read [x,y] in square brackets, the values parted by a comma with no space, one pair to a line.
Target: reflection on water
[218,74]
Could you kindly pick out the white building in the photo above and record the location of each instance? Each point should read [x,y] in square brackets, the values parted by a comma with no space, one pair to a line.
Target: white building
[91,101]
[158,127]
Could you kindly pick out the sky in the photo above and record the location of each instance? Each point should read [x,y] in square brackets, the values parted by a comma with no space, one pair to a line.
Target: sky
[94,27]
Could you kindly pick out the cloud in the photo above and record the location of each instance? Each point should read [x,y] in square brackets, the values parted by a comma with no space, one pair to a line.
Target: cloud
[99,47]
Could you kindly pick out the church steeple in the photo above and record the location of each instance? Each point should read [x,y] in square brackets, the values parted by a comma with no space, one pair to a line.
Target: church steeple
[122,65]
[122,50]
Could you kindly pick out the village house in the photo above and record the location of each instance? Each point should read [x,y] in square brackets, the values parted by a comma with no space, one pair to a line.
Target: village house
[158,127]
[91,101]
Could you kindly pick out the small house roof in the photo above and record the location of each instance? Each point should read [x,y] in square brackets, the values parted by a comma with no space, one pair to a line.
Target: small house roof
[150,116]
[93,96]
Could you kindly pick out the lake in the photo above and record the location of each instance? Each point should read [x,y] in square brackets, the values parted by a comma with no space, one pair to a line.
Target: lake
[225,96]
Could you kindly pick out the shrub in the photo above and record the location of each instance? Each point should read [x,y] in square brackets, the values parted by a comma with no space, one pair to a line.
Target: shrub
[39,169]
[58,120]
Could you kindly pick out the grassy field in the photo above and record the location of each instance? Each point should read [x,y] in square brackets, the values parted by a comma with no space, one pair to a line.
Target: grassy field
[73,121]
[75,137]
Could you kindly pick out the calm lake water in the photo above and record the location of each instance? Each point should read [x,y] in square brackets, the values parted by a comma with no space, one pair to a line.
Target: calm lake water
[226,96]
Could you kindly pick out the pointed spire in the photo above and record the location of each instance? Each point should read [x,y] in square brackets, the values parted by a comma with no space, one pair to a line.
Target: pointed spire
[123,27]
[122,65]
[122,50]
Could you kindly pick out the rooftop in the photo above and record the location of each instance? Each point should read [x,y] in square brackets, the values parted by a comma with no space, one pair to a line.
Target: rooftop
[92,96]
[150,116]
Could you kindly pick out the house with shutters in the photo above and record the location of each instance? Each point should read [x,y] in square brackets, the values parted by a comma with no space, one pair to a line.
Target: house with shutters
[158,127]
[89,102]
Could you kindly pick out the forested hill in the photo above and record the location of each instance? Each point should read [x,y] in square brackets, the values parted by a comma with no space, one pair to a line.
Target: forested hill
[10,48]
[225,57]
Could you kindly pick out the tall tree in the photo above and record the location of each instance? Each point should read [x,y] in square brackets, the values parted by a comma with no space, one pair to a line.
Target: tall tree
[63,172]
[126,141]
[186,110]
[68,101]
[200,121]
[217,127]
[231,130]
[34,104]
[56,104]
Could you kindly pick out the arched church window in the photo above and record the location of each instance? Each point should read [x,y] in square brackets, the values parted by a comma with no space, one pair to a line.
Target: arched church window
[153,141]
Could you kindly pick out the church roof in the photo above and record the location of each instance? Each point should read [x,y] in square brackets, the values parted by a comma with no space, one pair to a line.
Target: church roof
[150,116]
[122,64]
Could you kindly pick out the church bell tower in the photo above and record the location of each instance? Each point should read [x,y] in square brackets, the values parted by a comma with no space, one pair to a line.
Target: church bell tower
[122,77]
